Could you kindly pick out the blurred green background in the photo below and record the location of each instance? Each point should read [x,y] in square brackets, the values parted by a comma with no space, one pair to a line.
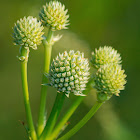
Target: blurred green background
[94,23]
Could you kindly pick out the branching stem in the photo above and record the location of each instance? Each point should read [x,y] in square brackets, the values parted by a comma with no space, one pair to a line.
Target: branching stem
[47,59]
[53,116]
[69,112]
[82,122]
[32,133]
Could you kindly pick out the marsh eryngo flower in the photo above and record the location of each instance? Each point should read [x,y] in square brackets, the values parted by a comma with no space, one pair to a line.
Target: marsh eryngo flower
[54,15]
[69,73]
[28,32]
[110,79]
[105,55]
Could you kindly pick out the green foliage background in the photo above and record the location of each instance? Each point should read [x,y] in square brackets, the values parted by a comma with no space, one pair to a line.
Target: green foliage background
[94,23]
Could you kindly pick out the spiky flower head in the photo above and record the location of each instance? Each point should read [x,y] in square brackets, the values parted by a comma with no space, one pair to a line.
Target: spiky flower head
[28,32]
[105,55]
[110,79]
[69,73]
[54,15]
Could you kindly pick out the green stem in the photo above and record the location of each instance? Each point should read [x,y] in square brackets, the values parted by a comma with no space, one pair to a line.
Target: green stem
[53,116]
[47,58]
[24,53]
[69,113]
[82,122]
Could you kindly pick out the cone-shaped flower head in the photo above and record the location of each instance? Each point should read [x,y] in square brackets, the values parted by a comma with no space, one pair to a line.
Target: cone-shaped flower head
[69,73]
[54,15]
[28,32]
[105,55]
[110,79]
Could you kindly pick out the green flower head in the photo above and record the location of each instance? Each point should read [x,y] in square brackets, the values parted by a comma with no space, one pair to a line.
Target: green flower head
[28,32]
[110,79]
[54,15]
[69,73]
[105,55]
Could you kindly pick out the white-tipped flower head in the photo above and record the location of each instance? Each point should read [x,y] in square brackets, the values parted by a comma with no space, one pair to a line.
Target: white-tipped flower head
[69,73]
[110,79]
[54,15]
[28,32]
[105,55]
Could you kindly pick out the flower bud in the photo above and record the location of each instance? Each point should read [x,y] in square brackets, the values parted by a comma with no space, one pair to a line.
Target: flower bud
[110,79]
[69,73]
[105,55]
[54,15]
[28,32]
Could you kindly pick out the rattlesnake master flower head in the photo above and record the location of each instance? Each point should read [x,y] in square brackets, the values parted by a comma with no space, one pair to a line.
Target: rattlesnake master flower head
[28,32]
[54,15]
[105,55]
[69,73]
[110,79]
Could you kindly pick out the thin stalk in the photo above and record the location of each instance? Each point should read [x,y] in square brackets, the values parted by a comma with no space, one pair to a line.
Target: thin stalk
[32,132]
[47,58]
[82,122]
[69,113]
[53,116]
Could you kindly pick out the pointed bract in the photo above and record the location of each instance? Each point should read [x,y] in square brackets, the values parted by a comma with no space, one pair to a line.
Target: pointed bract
[105,55]
[28,32]
[110,79]
[54,15]
[69,73]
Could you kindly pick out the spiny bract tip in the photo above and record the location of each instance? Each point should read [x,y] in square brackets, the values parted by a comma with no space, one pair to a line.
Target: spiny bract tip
[105,55]
[69,73]
[110,79]
[54,15]
[28,32]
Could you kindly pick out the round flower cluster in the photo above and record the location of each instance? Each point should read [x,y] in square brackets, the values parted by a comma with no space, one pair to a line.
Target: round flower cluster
[28,32]
[54,15]
[105,55]
[110,79]
[69,73]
